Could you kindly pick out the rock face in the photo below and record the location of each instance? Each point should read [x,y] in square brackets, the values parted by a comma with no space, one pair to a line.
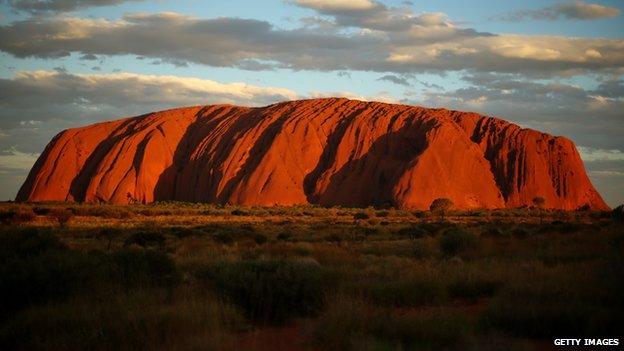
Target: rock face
[322,151]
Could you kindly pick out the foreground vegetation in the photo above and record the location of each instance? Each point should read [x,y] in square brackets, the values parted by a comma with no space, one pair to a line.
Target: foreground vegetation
[176,276]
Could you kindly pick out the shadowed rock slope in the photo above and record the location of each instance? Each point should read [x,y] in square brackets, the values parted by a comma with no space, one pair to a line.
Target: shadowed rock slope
[322,151]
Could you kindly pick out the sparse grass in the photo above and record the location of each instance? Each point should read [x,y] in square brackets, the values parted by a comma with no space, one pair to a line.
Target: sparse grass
[181,276]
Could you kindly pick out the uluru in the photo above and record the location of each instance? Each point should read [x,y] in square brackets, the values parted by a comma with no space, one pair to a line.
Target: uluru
[330,151]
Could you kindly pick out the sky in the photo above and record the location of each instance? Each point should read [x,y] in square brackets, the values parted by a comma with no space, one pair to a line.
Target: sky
[555,66]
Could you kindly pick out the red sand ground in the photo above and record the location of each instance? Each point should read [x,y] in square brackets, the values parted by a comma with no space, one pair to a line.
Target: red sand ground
[322,151]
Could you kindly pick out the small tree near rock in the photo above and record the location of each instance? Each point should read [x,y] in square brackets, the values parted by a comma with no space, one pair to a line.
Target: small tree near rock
[539,202]
[441,206]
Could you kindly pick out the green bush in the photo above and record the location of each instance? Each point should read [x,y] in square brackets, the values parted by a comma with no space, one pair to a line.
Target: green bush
[138,268]
[382,213]
[456,241]
[269,291]
[35,268]
[361,215]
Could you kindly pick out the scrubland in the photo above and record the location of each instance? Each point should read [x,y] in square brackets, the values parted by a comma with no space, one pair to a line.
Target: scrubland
[179,276]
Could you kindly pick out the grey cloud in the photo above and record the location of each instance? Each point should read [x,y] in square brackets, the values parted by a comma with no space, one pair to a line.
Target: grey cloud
[579,10]
[344,74]
[36,105]
[587,116]
[430,44]
[59,5]
[88,57]
[395,79]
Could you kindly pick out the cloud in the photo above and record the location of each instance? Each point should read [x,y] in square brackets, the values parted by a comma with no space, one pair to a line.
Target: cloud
[415,43]
[395,79]
[12,159]
[36,105]
[59,5]
[578,10]
[590,117]
[337,5]
[589,154]
[120,89]
[89,57]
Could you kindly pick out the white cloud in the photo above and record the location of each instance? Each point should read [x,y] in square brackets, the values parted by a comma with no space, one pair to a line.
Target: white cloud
[120,89]
[389,40]
[13,159]
[336,5]
[589,154]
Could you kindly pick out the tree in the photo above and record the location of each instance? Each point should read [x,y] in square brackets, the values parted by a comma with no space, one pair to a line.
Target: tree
[618,213]
[539,201]
[441,206]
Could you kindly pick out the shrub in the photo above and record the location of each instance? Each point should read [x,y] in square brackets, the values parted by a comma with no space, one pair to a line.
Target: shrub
[145,239]
[618,213]
[36,267]
[16,217]
[539,201]
[238,212]
[41,211]
[382,213]
[27,243]
[223,237]
[412,233]
[260,238]
[333,238]
[455,241]
[423,248]
[183,232]
[39,278]
[284,236]
[269,291]
[108,234]
[137,320]
[493,232]
[142,268]
[520,233]
[62,215]
[361,215]
[441,205]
